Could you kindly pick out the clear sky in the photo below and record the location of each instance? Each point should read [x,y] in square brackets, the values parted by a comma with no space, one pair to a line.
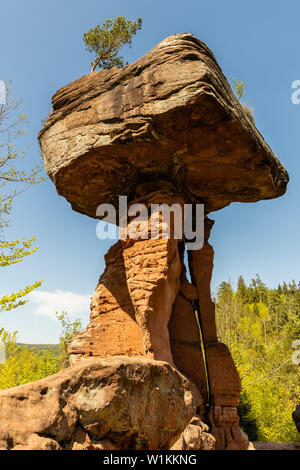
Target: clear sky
[42,50]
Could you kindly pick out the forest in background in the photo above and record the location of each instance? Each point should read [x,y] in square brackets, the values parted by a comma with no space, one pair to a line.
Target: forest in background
[30,362]
[259,326]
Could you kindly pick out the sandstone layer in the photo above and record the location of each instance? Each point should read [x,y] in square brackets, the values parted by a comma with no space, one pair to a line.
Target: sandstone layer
[166,129]
[195,437]
[132,304]
[116,403]
[171,116]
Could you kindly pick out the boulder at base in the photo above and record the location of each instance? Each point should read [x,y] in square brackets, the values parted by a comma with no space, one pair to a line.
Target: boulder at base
[114,403]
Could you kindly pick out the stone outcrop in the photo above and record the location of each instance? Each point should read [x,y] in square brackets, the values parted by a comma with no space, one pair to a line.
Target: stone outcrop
[186,344]
[112,329]
[171,115]
[132,305]
[195,437]
[98,404]
[166,129]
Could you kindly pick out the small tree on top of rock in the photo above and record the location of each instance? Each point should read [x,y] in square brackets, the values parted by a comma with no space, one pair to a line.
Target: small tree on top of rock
[106,41]
[239,88]
[70,329]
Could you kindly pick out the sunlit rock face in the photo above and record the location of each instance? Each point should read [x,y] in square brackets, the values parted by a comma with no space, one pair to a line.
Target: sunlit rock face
[165,129]
[171,115]
[115,403]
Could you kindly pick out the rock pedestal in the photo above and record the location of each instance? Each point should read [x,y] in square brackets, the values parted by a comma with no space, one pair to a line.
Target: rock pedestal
[144,305]
[164,130]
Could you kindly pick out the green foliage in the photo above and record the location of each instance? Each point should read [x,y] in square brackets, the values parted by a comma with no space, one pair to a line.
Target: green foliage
[23,364]
[8,302]
[28,363]
[259,326]
[106,42]
[239,88]
[271,407]
[248,419]
[70,329]
[13,181]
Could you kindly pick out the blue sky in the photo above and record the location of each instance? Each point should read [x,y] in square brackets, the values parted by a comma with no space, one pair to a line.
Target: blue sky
[42,50]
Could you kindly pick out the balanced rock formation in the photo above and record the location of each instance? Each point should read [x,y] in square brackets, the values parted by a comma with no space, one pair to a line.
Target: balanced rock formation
[164,130]
[169,116]
[99,404]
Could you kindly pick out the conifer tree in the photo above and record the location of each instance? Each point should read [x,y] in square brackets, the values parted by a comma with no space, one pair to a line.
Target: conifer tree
[106,42]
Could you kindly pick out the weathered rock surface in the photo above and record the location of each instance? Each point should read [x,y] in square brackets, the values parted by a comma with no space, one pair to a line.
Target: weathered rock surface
[225,428]
[166,129]
[186,345]
[195,437]
[112,330]
[170,115]
[116,403]
[223,379]
[133,302]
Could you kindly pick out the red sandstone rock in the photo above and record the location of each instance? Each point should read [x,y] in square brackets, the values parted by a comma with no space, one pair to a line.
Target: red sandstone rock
[195,437]
[171,115]
[223,378]
[132,305]
[186,344]
[225,428]
[103,404]
[165,129]
[82,441]
[112,329]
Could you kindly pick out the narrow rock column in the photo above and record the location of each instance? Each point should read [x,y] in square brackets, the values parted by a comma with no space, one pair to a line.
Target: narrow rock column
[133,301]
[153,268]
[223,378]
[112,330]
[153,273]
[185,334]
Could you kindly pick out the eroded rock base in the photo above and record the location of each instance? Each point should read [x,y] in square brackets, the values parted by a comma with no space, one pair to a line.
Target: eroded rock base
[144,305]
[115,403]
[196,436]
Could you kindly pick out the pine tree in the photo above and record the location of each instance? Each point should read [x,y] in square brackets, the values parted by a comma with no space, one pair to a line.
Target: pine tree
[242,291]
[106,42]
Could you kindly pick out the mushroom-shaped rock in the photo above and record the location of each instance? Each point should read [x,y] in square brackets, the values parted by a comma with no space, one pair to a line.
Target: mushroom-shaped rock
[172,116]
[165,129]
